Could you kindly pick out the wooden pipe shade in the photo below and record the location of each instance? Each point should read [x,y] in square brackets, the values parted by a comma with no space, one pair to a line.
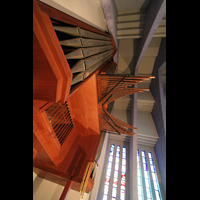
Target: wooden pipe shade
[110,88]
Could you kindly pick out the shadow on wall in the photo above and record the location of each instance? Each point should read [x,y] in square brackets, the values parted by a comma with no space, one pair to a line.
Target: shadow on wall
[42,186]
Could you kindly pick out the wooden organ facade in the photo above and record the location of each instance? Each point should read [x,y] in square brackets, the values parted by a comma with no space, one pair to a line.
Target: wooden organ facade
[72,88]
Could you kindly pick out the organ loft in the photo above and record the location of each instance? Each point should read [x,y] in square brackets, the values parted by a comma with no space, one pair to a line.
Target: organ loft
[73,84]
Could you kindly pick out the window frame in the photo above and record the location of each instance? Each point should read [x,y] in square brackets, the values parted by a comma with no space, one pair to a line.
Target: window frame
[116,142]
[150,149]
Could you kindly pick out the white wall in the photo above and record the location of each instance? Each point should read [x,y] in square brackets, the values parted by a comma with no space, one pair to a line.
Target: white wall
[127,51]
[47,190]
[146,124]
[88,11]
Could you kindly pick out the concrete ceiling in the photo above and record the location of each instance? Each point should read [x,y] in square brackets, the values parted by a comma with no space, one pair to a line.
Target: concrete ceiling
[131,6]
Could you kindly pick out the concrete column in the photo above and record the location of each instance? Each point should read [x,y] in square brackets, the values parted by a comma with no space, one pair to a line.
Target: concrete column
[154,15]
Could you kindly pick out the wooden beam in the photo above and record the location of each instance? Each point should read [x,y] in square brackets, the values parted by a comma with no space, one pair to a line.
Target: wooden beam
[155,13]
[66,190]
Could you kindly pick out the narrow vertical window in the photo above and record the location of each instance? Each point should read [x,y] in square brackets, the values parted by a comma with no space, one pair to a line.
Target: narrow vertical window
[146,176]
[108,173]
[154,176]
[116,172]
[123,175]
[139,178]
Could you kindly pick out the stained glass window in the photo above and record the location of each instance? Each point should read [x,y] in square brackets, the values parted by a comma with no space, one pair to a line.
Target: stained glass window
[139,178]
[108,173]
[154,176]
[116,171]
[113,177]
[146,176]
[123,174]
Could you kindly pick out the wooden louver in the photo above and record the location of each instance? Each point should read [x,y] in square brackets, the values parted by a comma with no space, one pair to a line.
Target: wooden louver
[60,119]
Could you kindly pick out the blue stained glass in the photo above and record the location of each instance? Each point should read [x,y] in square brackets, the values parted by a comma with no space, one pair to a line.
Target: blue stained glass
[124,155]
[139,181]
[145,167]
[143,155]
[154,176]
[157,195]
[149,154]
[155,185]
[152,169]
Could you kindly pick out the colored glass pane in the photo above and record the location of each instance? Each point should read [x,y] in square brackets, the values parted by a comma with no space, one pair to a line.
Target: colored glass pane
[109,165]
[139,197]
[114,182]
[106,189]
[154,177]
[108,173]
[115,174]
[146,176]
[116,166]
[107,180]
[123,168]
[114,192]
[105,197]
[123,176]
[145,167]
[110,158]
[122,194]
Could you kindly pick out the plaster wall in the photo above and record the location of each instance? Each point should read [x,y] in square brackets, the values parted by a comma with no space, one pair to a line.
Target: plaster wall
[88,11]
[145,125]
